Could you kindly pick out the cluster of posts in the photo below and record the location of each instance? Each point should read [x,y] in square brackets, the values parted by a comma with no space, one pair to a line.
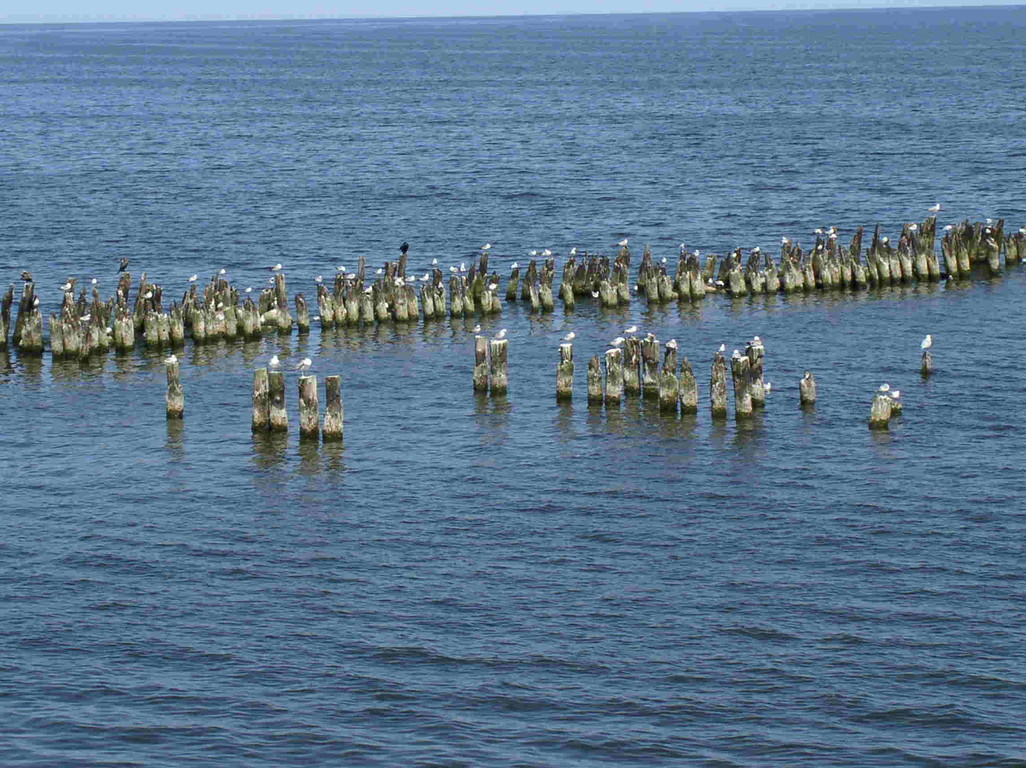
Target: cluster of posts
[491,365]
[270,413]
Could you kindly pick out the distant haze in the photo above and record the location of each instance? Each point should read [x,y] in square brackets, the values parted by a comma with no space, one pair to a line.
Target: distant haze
[171,10]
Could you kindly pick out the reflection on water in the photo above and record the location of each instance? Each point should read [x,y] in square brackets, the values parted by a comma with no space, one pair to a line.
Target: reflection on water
[270,449]
[173,442]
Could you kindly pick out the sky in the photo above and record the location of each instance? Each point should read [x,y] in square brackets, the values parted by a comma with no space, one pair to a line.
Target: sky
[124,10]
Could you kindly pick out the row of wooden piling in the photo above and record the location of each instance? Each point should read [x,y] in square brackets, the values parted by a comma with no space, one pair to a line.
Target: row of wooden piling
[271,414]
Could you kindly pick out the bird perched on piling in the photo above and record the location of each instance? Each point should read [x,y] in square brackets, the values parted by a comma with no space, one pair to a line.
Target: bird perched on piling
[926,343]
[514,265]
[124,266]
[934,208]
[618,341]
[404,248]
[194,278]
[171,360]
[476,329]
[573,251]
[319,279]
[885,387]
[723,348]
[26,276]
[303,364]
[486,247]
[66,286]
[736,355]
[570,336]
[501,334]
[546,253]
[275,268]
[623,243]
[274,362]
[671,344]
[630,331]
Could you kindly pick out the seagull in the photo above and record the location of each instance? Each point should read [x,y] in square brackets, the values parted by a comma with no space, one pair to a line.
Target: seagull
[546,252]
[1022,230]
[340,268]
[85,318]
[66,286]
[434,262]
[570,336]
[934,208]
[623,243]
[148,295]
[486,247]
[723,348]
[515,265]
[501,334]
[671,344]
[193,278]
[274,362]
[404,248]
[222,271]
[492,286]
[319,279]
[631,331]
[477,329]
[426,277]
[93,281]
[275,268]
[664,260]
[990,221]
[736,355]
[172,360]
[896,394]
[949,227]
[303,364]
[594,294]
[378,271]
[885,387]
[927,342]
[784,241]
[833,235]
[249,290]
[454,270]
[818,231]
[532,253]
[573,251]
[618,341]
[885,240]
[463,266]
[124,266]
[768,387]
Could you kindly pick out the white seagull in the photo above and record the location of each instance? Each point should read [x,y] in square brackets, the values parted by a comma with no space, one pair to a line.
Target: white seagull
[303,364]
[885,387]
[66,286]
[618,341]
[477,329]
[274,362]
[623,243]
[171,360]
[723,348]
[671,344]
[501,334]
[570,336]
[515,265]
[275,268]
[927,342]
[934,208]
[486,247]
[630,331]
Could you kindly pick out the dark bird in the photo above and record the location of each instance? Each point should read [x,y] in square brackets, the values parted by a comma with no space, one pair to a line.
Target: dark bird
[404,248]
[124,266]
[26,276]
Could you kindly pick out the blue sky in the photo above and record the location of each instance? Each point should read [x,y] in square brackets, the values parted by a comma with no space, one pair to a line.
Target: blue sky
[101,10]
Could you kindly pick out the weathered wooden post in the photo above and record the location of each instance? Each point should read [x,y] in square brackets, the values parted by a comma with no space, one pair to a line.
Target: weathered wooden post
[480,364]
[718,386]
[261,401]
[278,415]
[650,367]
[175,395]
[756,354]
[513,284]
[688,388]
[807,389]
[614,376]
[309,409]
[565,372]
[333,409]
[632,366]
[5,316]
[880,410]
[498,351]
[741,373]
[302,315]
[669,386]
[926,364]
[595,380]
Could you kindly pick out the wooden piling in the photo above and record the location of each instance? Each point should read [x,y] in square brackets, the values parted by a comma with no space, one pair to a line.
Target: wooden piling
[595,380]
[175,395]
[565,372]
[880,411]
[333,409]
[756,354]
[687,388]
[718,386]
[614,376]
[302,314]
[632,366]
[498,350]
[650,367]
[741,374]
[807,389]
[309,410]
[480,364]
[261,401]
[926,364]
[278,415]
[669,386]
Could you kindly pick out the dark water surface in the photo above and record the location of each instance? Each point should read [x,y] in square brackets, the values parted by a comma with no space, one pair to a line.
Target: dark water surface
[512,582]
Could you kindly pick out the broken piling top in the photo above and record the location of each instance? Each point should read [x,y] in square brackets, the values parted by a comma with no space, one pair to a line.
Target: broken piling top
[498,350]
[880,411]
[614,375]
[595,380]
[807,389]
[309,411]
[333,409]
[175,400]
[481,371]
[718,386]
[565,372]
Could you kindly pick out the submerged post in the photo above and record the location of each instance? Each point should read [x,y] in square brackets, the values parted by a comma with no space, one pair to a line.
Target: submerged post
[333,409]
[565,372]
[175,395]
[309,410]
[261,401]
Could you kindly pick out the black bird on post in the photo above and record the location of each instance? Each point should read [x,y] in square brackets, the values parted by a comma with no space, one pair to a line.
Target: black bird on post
[26,276]
[404,248]
[124,266]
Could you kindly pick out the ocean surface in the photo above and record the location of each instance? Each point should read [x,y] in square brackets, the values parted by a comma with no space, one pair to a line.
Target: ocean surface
[510,582]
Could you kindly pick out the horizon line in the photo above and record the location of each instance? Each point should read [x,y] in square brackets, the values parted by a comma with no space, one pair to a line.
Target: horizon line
[789,6]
